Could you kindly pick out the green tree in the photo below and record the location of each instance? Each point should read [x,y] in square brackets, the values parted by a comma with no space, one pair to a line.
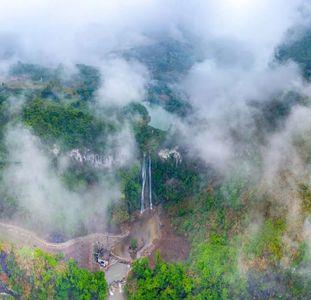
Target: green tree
[78,283]
[164,281]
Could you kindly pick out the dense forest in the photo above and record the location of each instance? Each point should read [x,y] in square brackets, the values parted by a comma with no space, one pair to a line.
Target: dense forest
[220,141]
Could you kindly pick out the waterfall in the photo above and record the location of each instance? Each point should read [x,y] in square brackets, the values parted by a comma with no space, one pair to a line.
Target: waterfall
[150,184]
[143,176]
[146,179]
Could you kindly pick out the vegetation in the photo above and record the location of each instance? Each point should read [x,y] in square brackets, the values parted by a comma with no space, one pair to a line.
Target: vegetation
[173,180]
[234,254]
[297,50]
[89,80]
[163,281]
[133,244]
[35,72]
[268,240]
[225,262]
[130,185]
[34,274]
[72,127]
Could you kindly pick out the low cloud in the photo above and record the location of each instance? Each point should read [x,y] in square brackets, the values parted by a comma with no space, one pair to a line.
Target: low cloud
[123,82]
[48,205]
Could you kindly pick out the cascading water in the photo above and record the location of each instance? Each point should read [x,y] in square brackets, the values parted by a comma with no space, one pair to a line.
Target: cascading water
[150,184]
[146,181]
[143,175]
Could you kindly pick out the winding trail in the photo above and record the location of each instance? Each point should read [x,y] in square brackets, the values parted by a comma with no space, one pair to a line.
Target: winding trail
[81,248]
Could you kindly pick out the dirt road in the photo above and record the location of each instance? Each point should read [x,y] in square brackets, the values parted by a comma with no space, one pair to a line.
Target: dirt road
[81,248]
[153,228]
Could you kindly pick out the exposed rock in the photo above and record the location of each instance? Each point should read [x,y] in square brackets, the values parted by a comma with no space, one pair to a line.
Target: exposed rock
[166,154]
[95,160]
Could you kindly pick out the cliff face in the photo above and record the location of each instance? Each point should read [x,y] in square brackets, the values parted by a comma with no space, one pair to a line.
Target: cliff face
[97,161]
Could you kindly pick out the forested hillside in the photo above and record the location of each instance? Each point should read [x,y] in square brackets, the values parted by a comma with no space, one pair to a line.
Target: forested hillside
[170,156]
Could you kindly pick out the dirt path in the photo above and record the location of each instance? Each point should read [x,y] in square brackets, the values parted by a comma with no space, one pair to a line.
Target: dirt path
[172,246]
[81,248]
[153,228]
